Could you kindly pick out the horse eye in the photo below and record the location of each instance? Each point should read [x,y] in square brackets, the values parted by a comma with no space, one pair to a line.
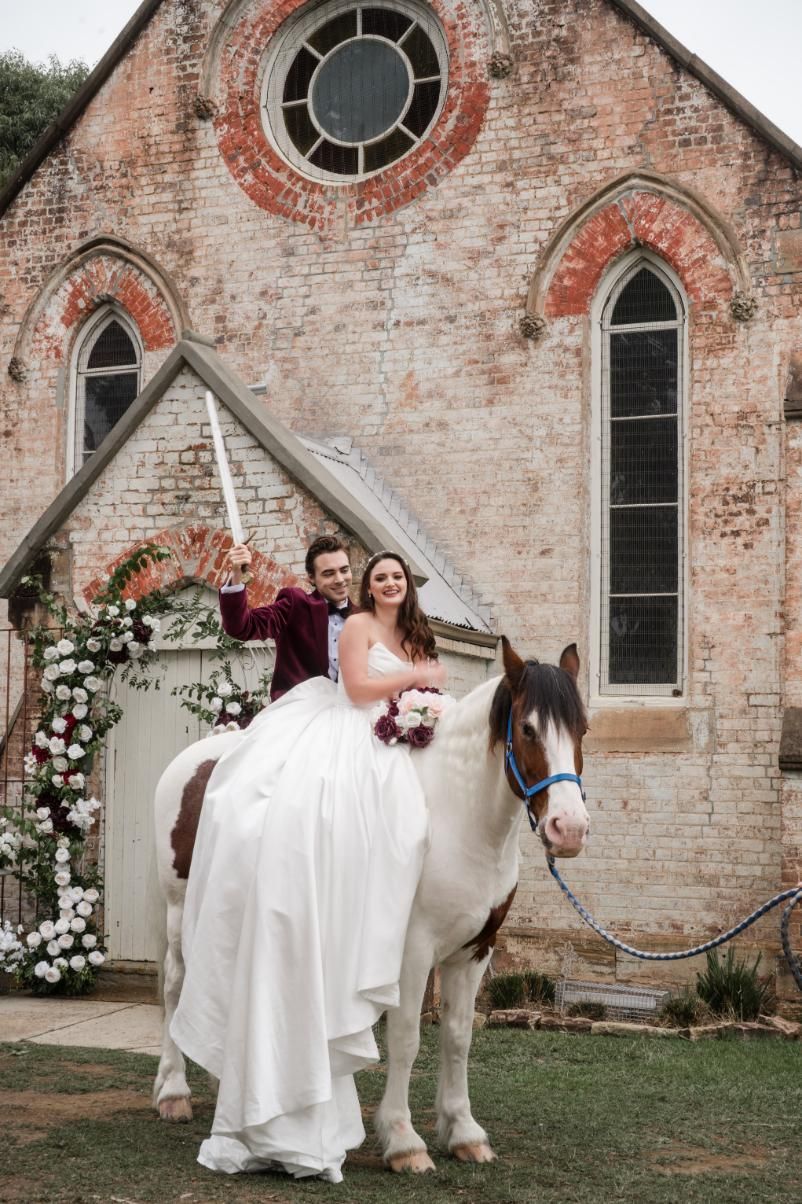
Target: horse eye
[528,731]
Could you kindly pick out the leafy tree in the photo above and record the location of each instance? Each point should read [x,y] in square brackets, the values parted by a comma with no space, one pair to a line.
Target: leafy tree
[31,95]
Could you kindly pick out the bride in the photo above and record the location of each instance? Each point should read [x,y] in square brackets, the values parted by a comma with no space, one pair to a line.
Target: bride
[307,859]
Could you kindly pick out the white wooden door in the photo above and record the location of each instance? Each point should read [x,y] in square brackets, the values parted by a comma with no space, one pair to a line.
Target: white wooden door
[153,730]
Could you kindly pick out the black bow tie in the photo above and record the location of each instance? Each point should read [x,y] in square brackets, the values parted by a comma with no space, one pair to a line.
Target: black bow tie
[342,611]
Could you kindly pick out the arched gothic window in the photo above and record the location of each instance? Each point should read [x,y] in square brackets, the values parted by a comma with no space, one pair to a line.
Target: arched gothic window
[107,380]
[641,579]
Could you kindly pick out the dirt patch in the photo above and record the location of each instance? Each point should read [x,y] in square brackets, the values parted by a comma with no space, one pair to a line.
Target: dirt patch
[695,1160]
[30,1115]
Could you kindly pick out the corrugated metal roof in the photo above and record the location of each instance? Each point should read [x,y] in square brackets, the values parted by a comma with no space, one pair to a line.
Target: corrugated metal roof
[445,595]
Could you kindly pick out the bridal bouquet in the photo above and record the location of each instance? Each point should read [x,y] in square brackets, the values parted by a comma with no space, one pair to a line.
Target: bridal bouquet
[411,718]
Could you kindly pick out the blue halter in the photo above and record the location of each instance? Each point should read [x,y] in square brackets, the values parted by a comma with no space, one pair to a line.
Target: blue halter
[529,792]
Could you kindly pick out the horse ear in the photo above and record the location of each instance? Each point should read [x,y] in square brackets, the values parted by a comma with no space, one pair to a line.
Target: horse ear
[513,665]
[569,660]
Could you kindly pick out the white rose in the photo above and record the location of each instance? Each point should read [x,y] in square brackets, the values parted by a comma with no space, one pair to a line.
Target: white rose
[67,667]
[134,650]
[47,686]
[59,725]
[60,764]
[65,647]
[43,812]
[30,763]
[130,604]
[89,940]
[41,740]
[56,745]
[78,924]
[115,645]
[127,637]
[53,948]
[80,695]
[76,894]
[85,666]
[68,914]
[41,968]
[232,726]
[80,710]
[61,927]
[113,611]
[57,779]
[75,752]
[92,683]
[33,940]
[51,654]
[216,705]
[233,708]
[91,895]
[62,854]
[126,622]
[52,673]
[77,962]
[77,781]
[45,827]
[152,623]
[63,878]
[66,940]
[225,689]
[60,963]
[93,645]
[84,908]
[63,693]
[52,974]
[96,958]
[85,733]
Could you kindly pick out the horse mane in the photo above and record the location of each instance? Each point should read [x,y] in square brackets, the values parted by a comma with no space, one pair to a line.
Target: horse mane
[546,689]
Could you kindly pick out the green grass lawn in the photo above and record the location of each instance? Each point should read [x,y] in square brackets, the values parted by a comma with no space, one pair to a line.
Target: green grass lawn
[574,1120]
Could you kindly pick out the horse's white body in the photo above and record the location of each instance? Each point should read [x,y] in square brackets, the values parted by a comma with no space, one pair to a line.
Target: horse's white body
[471,868]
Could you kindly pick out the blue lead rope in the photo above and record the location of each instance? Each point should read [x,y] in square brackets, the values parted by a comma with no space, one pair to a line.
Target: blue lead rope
[792,896]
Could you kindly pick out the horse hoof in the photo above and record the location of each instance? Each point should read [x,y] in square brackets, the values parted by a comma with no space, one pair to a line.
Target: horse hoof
[177,1109]
[416,1161]
[473,1152]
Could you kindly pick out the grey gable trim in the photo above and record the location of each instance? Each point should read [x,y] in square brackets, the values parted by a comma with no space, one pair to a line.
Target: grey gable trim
[723,91]
[73,109]
[195,352]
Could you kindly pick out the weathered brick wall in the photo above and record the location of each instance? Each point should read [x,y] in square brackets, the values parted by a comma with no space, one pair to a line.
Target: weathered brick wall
[404,333]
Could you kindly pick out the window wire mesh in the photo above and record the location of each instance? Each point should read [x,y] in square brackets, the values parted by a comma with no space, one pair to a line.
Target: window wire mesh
[642,488]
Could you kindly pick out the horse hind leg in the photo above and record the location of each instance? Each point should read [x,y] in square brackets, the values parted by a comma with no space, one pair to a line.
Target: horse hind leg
[465,1139]
[171,1093]
[402,1147]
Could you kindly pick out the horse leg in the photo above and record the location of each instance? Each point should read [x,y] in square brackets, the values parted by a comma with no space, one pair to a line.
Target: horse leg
[171,1093]
[456,1128]
[403,1149]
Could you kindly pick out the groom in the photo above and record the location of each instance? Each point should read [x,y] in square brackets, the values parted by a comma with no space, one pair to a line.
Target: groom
[306,627]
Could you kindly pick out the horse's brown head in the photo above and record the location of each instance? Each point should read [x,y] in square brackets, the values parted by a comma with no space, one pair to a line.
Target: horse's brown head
[548,723]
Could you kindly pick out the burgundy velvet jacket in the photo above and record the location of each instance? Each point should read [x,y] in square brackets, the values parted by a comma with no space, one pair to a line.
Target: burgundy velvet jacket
[299,624]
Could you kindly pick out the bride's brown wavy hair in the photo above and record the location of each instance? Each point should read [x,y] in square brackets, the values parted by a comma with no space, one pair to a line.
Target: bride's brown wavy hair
[417,639]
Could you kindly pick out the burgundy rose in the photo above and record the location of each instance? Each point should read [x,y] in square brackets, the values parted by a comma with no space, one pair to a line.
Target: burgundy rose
[41,754]
[393,707]
[419,737]
[70,722]
[386,729]
[141,632]
[120,656]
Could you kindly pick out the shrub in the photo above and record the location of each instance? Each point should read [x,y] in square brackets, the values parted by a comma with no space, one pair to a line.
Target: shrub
[732,988]
[684,1009]
[591,1009]
[539,987]
[507,991]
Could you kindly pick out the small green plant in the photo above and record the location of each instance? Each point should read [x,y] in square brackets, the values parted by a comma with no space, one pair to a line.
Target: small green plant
[733,988]
[507,991]
[589,1008]
[683,1009]
[539,987]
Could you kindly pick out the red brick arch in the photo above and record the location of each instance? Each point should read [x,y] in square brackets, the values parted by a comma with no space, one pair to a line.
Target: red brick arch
[197,555]
[273,185]
[638,218]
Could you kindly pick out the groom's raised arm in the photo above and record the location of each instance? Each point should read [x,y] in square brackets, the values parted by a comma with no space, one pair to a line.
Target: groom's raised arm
[260,623]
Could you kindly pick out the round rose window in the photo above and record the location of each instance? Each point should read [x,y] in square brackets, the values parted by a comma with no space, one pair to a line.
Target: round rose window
[349,91]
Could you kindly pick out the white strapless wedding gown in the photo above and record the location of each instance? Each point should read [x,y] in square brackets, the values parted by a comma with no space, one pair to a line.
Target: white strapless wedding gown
[307,859]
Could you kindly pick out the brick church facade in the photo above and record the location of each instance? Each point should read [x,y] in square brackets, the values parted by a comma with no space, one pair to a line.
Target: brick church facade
[545,287]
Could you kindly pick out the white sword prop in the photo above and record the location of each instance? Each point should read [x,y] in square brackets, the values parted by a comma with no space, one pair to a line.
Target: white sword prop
[229,497]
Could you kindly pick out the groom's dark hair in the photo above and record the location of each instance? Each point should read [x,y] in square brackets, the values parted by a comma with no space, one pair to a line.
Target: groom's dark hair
[325,543]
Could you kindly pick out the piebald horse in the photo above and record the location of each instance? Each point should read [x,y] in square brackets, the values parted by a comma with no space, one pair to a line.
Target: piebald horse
[492,749]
